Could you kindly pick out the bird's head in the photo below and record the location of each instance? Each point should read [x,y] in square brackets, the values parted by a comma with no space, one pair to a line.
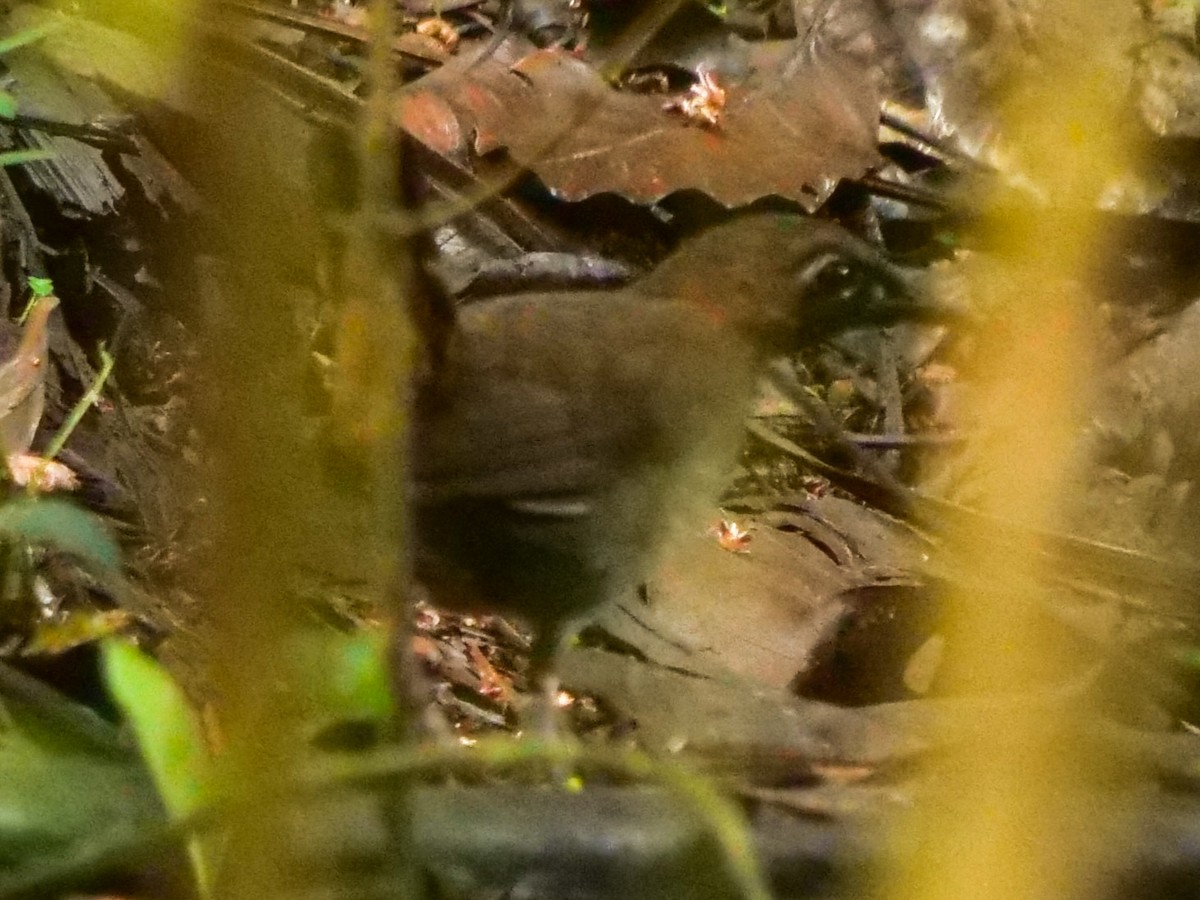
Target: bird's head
[784,280]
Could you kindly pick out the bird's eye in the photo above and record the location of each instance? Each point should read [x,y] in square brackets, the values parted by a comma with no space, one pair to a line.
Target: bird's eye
[812,268]
[830,276]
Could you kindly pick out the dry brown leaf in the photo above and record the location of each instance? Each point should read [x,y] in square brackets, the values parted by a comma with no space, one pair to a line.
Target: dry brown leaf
[39,474]
[731,536]
[793,130]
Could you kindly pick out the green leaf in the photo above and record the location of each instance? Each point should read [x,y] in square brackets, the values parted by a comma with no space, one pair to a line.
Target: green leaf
[66,777]
[8,104]
[40,287]
[168,736]
[64,526]
[19,157]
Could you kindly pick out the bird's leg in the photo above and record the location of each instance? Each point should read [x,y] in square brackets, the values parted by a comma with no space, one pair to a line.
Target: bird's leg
[543,716]
[414,694]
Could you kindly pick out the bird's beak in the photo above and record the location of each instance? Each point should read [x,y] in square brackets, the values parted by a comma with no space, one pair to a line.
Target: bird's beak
[889,296]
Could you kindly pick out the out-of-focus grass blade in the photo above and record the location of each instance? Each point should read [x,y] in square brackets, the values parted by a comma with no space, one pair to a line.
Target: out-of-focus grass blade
[26,36]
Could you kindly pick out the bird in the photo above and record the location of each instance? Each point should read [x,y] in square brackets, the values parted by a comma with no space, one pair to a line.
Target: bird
[566,430]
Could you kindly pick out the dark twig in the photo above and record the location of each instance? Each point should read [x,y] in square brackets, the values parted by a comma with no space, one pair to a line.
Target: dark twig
[102,136]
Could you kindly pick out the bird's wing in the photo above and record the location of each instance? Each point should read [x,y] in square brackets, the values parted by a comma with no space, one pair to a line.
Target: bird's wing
[545,399]
[510,438]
